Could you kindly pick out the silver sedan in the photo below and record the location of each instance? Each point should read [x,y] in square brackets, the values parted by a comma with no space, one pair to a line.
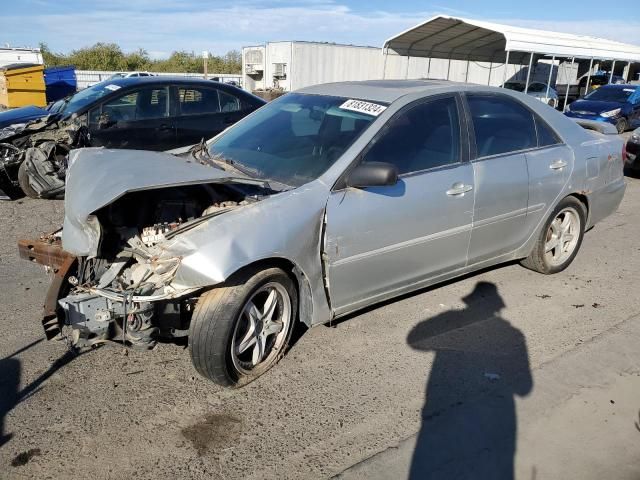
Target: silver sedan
[320,203]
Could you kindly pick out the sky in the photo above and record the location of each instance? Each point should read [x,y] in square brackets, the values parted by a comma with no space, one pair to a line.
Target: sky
[162,26]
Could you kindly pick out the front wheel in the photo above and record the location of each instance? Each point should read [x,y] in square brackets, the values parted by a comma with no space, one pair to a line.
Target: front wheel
[560,238]
[240,331]
[622,125]
[23,181]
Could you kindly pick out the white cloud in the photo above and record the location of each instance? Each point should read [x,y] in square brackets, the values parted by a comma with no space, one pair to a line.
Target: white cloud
[194,26]
[215,28]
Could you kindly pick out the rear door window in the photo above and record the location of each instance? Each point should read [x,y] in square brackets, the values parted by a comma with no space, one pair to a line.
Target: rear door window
[501,125]
[196,101]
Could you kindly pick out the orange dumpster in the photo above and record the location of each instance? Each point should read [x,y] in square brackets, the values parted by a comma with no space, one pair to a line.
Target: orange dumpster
[22,85]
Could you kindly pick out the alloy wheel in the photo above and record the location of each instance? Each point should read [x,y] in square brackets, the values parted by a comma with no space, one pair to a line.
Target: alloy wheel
[261,329]
[562,236]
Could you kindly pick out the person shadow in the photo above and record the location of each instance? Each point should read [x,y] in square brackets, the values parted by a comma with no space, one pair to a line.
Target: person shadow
[469,426]
[10,377]
[10,382]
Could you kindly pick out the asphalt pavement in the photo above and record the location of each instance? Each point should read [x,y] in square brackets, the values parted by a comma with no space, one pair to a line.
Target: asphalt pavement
[508,369]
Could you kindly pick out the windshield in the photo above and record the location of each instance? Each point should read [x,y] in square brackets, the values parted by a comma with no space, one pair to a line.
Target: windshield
[537,87]
[57,106]
[88,95]
[116,75]
[293,139]
[518,87]
[611,94]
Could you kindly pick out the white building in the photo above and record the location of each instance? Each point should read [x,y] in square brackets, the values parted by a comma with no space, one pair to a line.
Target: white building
[291,65]
[9,55]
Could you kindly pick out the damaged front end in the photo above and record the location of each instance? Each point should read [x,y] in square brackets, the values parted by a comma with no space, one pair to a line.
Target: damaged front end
[43,146]
[116,282]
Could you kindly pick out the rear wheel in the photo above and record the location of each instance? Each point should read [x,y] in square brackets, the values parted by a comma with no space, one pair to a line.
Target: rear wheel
[240,331]
[23,181]
[560,239]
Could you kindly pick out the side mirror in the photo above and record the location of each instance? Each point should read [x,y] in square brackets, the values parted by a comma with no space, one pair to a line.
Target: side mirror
[373,174]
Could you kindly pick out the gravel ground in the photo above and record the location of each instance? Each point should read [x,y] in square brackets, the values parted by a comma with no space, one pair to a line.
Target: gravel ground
[341,395]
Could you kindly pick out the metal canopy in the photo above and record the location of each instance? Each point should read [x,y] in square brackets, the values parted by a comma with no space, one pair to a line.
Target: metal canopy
[463,39]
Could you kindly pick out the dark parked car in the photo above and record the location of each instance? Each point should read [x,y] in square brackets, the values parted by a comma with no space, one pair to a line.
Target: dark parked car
[150,113]
[580,89]
[615,104]
[632,152]
[21,115]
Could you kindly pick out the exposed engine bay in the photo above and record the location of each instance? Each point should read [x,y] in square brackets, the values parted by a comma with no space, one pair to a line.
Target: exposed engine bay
[123,293]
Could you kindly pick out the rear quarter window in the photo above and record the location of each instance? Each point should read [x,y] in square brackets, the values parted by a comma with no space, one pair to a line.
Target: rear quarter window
[546,136]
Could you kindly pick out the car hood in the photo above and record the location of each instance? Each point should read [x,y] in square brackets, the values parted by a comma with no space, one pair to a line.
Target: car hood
[21,115]
[97,177]
[594,106]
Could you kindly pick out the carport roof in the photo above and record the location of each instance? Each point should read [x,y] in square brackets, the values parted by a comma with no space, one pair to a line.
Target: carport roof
[464,39]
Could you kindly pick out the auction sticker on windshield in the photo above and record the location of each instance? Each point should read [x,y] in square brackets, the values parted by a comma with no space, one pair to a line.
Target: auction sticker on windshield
[363,107]
[112,87]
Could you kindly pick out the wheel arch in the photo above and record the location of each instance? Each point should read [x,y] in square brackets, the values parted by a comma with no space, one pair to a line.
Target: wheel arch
[301,281]
[584,200]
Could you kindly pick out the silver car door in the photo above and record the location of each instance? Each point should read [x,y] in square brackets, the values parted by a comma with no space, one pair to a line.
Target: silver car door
[504,129]
[382,241]
[550,167]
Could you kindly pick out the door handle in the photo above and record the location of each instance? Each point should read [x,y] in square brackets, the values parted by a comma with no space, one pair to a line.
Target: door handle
[164,126]
[227,120]
[459,189]
[558,165]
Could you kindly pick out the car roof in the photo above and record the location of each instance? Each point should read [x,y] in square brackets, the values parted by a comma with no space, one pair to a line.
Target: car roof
[386,91]
[618,86]
[128,81]
[522,82]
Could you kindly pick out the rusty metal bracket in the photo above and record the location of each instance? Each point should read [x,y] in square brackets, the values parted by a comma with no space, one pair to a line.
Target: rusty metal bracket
[49,253]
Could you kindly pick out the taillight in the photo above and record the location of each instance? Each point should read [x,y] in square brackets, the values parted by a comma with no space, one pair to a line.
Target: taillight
[624,153]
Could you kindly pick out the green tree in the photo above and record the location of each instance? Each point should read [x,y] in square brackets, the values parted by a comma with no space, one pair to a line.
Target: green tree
[109,56]
[50,58]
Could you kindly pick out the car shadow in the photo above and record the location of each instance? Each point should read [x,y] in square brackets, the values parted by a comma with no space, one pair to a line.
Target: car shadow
[10,376]
[337,322]
[469,422]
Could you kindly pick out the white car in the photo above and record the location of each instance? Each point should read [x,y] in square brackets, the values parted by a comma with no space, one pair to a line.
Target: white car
[129,74]
[536,89]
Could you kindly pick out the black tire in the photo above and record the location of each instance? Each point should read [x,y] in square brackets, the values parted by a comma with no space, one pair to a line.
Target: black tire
[622,125]
[23,181]
[215,321]
[537,259]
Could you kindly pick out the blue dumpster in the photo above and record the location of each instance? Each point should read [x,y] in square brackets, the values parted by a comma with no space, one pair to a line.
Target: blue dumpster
[60,82]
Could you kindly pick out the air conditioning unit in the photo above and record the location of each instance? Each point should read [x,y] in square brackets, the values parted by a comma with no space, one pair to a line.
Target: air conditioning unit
[254,61]
[254,56]
[253,68]
[280,70]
